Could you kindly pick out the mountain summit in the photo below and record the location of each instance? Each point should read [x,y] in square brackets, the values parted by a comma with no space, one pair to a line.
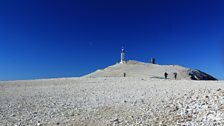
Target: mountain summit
[134,68]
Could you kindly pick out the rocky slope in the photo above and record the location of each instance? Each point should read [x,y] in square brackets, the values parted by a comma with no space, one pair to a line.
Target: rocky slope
[113,101]
[147,70]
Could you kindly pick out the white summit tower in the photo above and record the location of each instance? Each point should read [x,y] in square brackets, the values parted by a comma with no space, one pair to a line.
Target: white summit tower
[122,56]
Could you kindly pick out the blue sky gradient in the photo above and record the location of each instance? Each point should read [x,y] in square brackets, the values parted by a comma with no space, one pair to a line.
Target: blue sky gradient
[46,39]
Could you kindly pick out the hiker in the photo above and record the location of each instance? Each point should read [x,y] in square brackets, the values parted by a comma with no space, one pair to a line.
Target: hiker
[165,74]
[175,75]
[124,74]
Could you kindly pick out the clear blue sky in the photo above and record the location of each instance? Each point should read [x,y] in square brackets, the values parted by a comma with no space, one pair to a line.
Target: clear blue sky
[50,38]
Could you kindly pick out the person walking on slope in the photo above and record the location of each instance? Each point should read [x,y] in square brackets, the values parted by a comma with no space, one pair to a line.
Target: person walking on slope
[175,75]
[165,74]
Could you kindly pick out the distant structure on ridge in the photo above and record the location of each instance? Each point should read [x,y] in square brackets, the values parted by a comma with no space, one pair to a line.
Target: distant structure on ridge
[122,56]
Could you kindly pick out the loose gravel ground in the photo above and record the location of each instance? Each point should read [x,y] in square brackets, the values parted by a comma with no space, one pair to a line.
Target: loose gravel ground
[111,101]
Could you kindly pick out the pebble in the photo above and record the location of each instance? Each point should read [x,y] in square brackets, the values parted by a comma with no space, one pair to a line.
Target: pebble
[39,124]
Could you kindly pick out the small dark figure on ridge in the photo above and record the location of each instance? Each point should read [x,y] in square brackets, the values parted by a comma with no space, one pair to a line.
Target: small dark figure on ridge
[175,75]
[165,74]
[124,74]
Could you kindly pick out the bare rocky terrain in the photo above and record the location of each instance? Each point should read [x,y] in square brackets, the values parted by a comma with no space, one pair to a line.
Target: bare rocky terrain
[134,68]
[111,101]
